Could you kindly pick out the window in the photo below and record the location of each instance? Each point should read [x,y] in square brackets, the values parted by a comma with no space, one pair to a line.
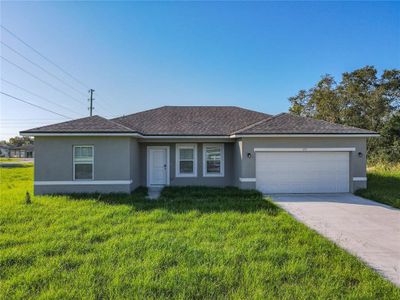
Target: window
[186,160]
[83,162]
[213,160]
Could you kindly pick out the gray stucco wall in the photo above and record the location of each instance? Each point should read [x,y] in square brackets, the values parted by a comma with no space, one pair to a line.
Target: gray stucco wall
[237,161]
[357,164]
[115,158]
[226,180]
[135,164]
[54,162]
[125,158]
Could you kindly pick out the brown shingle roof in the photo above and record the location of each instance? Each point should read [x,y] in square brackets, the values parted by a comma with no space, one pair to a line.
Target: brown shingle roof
[191,120]
[89,125]
[291,124]
[200,121]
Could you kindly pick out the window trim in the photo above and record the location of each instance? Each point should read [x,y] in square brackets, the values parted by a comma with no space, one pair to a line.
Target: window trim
[177,160]
[74,163]
[222,171]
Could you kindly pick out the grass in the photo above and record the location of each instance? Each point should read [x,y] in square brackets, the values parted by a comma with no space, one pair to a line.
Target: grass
[383,184]
[7,159]
[197,243]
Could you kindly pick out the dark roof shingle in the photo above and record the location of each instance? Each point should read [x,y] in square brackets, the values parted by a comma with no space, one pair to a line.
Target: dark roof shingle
[89,124]
[291,124]
[191,120]
[200,121]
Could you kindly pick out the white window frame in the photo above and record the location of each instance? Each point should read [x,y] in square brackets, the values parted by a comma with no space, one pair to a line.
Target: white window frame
[177,160]
[222,171]
[74,162]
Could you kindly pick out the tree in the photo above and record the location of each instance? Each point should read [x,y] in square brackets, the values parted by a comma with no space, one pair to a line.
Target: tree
[299,104]
[20,141]
[363,94]
[388,146]
[361,99]
[320,102]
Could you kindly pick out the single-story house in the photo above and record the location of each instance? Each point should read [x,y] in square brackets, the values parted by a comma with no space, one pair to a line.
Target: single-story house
[24,151]
[199,145]
[4,150]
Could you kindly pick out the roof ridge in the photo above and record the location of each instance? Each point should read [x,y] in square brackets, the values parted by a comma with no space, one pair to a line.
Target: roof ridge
[138,112]
[126,127]
[257,123]
[90,123]
[328,122]
[251,110]
[199,106]
[192,106]
[251,125]
[292,124]
[68,121]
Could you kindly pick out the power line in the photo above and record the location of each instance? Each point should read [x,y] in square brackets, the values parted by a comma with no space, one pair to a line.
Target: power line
[44,57]
[43,81]
[53,63]
[107,102]
[22,123]
[43,69]
[38,96]
[18,119]
[34,105]
[26,120]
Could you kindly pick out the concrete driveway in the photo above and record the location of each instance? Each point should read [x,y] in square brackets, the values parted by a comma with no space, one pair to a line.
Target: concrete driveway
[367,229]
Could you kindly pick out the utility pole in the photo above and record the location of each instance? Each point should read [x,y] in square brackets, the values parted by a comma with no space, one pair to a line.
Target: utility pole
[91,101]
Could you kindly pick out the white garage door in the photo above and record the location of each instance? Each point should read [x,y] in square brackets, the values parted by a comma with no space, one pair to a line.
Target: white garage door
[302,172]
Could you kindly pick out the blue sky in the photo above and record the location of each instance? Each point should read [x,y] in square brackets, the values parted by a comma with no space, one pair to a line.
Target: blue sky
[143,55]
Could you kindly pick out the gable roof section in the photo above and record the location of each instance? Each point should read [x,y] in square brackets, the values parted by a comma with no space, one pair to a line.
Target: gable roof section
[94,124]
[191,120]
[226,121]
[285,123]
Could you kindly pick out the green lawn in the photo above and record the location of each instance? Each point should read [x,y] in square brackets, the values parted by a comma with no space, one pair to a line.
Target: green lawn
[193,243]
[7,159]
[383,185]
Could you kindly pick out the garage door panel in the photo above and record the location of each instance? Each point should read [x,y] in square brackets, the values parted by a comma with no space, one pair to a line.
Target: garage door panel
[302,172]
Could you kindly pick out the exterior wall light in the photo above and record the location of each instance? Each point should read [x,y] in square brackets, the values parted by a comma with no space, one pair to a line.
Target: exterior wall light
[360,154]
[249,155]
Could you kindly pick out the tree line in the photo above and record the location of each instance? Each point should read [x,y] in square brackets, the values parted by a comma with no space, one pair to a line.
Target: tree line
[18,141]
[361,99]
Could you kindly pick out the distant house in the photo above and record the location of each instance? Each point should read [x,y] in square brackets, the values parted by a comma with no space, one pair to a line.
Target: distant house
[24,151]
[4,150]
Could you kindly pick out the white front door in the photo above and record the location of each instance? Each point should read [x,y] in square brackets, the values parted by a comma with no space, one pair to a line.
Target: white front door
[158,166]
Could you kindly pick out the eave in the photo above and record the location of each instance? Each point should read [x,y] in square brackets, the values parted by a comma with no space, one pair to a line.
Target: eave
[233,136]
[314,135]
